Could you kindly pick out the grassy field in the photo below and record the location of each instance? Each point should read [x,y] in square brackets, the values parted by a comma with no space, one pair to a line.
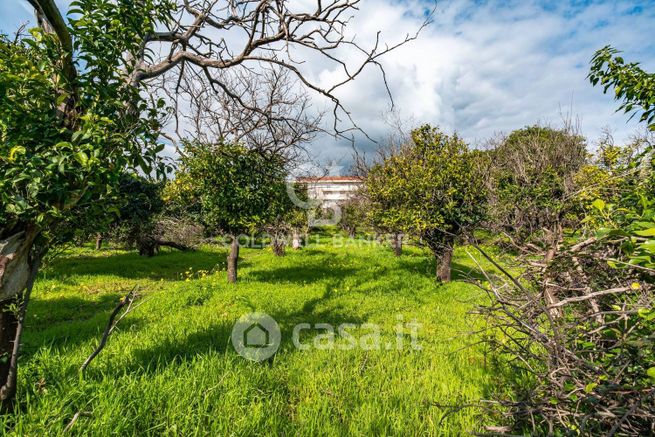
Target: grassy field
[171,369]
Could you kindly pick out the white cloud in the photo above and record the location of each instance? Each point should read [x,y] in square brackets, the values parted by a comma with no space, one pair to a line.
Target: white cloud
[487,67]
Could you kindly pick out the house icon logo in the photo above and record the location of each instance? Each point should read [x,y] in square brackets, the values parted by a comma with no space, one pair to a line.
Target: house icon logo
[256,336]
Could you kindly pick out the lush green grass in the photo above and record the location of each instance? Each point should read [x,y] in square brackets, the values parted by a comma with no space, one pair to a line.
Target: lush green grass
[171,369]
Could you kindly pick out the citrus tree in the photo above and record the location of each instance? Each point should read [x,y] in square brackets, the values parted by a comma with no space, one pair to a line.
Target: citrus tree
[430,190]
[239,190]
[68,134]
[532,178]
[353,214]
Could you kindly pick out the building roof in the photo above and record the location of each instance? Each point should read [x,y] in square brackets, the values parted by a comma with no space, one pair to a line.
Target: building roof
[330,179]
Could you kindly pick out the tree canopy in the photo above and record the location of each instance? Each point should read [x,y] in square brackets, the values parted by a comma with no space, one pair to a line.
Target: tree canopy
[430,189]
[238,189]
[532,180]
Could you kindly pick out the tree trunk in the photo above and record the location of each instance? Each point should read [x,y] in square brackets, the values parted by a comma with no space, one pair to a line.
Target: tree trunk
[98,241]
[556,238]
[444,259]
[8,327]
[232,260]
[279,244]
[550,292]
[397,244]
[19,264]
[297,242]
[147,246]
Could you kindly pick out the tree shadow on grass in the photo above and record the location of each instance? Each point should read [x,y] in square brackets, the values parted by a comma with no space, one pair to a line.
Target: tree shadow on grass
[168,266]
[167,352]
[216,337]
[70,321]
[309,271]
[308,251]
[426,266]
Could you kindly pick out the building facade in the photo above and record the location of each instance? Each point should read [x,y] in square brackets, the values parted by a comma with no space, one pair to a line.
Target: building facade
[331,190]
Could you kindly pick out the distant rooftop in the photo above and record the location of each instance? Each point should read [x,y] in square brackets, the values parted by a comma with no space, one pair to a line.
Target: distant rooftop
[330,179]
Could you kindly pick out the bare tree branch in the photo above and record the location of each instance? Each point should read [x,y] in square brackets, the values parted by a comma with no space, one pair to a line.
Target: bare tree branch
[245,37]
[111,324]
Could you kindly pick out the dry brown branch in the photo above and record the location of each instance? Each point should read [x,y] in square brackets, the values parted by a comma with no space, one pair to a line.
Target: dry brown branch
[127,301]
[596,294]
[232,43]
[74,419]
[586,364]
[273,114]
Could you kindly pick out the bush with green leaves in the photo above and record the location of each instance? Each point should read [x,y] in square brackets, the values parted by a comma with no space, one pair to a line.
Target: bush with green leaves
[574,336]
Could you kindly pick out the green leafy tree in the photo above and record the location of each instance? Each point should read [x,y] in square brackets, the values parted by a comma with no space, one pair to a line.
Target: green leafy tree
[380,201]
[430,190]
[353,215]
[68,134]
[289,218]
[138,201]
[148,222]
[136,223]
[239,190]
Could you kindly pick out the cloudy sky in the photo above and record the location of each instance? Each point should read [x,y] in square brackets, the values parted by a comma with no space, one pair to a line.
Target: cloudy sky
[482,67]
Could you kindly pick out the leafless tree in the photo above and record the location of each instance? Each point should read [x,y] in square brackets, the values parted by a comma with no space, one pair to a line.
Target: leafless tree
[396,140]
[230,43]
[285,123]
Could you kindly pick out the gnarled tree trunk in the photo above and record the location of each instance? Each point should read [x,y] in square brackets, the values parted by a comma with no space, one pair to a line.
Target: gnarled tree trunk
[397,244]
[279,245]
[444,259]
[19,264]
[232,260]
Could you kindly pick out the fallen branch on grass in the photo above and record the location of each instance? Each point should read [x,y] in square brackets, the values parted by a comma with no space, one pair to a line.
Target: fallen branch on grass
[111,324]
[74,419]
